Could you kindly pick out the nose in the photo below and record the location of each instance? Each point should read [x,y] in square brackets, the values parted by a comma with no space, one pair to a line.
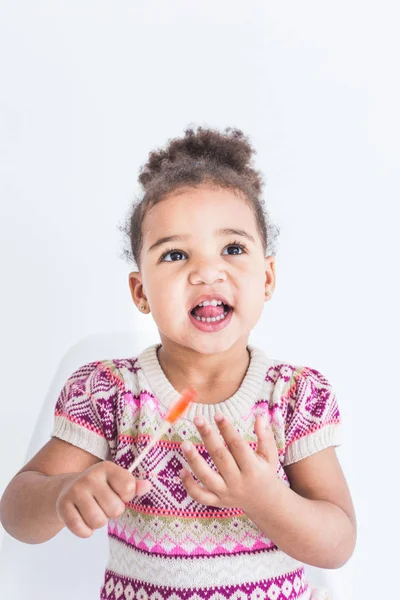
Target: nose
[207,272]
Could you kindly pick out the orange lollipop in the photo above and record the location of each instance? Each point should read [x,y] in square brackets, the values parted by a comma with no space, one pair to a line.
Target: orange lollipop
[175,411]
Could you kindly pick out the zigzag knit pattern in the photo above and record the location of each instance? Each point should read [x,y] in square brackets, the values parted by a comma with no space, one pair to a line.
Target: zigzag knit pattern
[167,546]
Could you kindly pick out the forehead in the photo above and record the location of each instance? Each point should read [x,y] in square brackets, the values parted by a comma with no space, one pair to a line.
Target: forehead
[198,211]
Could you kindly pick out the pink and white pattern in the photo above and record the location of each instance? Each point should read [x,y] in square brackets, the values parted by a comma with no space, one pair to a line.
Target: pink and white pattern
[166,546]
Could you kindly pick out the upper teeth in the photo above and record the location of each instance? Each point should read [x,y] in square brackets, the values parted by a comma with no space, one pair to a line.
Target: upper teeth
[210,303]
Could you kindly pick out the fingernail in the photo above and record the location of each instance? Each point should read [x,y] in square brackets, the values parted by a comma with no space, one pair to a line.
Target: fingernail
[187,446]
[266,418]
[219,417]
[199,421]
[145,488]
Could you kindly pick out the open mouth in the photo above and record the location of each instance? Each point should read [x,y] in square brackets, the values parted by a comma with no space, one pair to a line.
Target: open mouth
[211,314]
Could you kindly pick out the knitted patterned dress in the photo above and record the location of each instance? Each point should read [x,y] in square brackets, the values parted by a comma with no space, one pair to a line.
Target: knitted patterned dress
[167,546]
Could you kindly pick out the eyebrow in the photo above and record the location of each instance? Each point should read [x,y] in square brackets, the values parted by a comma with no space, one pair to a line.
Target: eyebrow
[220,232]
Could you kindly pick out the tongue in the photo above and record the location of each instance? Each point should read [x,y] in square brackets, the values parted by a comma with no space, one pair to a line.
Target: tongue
[209,311]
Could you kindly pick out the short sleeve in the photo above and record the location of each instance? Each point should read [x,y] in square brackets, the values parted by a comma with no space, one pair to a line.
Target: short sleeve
[312,421]
[85,410]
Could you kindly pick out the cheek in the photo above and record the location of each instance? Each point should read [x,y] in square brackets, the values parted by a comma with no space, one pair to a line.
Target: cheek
[253,284]
[168,303]
[253,296]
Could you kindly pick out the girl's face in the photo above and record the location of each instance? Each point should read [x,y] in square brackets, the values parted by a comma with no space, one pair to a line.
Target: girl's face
[206,257]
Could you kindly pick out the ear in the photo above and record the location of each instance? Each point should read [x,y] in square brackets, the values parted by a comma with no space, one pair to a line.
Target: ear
[270,278]
[136,287]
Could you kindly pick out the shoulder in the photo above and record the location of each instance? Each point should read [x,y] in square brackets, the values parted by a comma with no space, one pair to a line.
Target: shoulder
[99,372]
[116,369]
[310,392]
[306,392]
[303,409]
[294,383]
[97,382]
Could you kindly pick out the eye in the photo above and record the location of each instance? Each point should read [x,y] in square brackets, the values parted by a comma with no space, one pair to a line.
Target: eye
[175,252]
[171,251]
[237,245]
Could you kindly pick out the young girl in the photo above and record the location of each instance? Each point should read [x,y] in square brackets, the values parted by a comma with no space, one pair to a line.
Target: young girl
[246,486]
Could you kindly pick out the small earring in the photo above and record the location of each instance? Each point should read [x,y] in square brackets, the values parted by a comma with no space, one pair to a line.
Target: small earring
[142,307]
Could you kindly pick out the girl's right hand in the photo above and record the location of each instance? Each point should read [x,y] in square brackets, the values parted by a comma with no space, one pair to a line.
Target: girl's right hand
[89,499]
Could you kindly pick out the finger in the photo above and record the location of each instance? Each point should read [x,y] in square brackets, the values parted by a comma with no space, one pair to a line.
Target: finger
[208,477]
[195,491]
[91,512]
[73,520]
[239,449]
[123,483]
[143,486]
[112,504]
[266,445]
[220,454]
[109,502]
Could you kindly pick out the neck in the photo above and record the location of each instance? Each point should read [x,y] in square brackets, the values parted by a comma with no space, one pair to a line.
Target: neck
[211,374]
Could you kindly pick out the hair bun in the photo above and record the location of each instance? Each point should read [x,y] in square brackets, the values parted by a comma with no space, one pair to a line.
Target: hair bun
[230,148]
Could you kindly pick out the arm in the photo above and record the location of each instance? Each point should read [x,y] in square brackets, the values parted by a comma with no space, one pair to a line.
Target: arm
[314,520]
[28,505]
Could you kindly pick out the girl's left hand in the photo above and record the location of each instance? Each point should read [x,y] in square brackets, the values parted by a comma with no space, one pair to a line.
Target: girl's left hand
[242,472]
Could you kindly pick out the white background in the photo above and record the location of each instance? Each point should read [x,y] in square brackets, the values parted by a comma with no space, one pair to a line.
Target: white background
[89,88]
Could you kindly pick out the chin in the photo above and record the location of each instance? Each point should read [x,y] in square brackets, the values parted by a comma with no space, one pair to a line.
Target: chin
[210,345]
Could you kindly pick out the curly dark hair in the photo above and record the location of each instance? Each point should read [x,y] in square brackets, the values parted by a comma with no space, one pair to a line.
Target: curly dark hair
[202,157]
